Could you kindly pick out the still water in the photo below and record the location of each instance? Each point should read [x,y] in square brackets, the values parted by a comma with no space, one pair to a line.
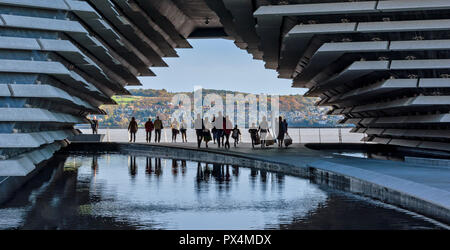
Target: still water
[114,191]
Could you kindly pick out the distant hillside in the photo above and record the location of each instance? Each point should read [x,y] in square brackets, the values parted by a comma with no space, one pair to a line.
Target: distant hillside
[144,103]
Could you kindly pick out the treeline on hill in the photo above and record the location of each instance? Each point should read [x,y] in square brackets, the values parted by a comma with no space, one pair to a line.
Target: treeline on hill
[145,103]
[287,102]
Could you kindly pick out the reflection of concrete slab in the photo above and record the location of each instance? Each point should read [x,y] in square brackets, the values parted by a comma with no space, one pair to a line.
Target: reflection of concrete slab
[87,138]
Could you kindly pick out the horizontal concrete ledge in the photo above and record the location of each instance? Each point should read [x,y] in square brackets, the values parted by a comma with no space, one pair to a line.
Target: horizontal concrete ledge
[416,197]
[87,138]
[435,163]
[420,198]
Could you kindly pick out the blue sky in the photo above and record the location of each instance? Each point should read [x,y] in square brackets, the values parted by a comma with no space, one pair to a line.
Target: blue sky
[217,64]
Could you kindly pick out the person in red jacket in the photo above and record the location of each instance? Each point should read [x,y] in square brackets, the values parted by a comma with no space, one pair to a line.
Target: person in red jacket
[148,130]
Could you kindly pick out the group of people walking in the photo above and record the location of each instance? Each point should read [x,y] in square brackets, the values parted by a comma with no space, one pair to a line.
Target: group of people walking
[219,130]
[150,125]
[262,136]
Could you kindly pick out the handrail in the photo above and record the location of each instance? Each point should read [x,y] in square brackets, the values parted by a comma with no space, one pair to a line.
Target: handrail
[298,135]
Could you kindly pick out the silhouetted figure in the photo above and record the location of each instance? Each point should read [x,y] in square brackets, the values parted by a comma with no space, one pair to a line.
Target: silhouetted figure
[199,127]
[206,132]
[133,128]
[264,131]
[148,130]
[214,130]
[285,126]
[94,126]
[183,130]
[158,126]
[228,126]
[281,131]
[254,135]
[175,131]
[236,134]
[218,123]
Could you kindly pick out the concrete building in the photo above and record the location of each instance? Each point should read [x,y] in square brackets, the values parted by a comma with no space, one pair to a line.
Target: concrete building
[383,65]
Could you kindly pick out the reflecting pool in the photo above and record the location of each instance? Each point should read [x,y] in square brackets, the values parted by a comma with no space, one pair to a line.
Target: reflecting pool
[114,191]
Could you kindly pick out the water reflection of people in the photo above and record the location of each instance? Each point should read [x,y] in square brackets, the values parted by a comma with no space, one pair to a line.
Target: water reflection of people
[158,170]
[200,174]
[263,175]
[280,181]
[148,166]
[207,172]
[235,171]
[253,173]
[94,164]
[217,172]
[174,167]
[253,176]
[132,165]
[227,173]
[183,167]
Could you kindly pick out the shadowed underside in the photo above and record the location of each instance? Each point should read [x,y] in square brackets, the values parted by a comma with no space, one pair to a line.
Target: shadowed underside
[383,65]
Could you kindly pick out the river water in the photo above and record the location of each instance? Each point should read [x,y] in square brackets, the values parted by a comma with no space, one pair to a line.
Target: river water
[115,191]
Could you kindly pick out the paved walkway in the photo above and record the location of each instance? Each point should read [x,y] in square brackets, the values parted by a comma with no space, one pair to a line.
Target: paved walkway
[431,183]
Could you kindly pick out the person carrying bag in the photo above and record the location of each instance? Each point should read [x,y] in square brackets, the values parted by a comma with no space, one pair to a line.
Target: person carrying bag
[269,139]
[287,140]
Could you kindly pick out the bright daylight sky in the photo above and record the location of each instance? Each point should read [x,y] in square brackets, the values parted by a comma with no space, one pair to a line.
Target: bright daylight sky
[217,64]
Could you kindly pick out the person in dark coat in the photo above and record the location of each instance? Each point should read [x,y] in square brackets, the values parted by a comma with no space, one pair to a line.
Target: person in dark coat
[158,127]
[199,128]
[281,132]
[219,124]
[133,128]
[94,126]
[214,130]
[148,130]
[235,134]
[253,134]
[227,128]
